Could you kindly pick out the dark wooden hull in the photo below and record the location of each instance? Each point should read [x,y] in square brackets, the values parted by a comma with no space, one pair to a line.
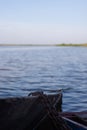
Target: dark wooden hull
[26,112]
[76,120]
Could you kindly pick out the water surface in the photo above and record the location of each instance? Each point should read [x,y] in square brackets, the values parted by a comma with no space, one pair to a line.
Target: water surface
[27,69]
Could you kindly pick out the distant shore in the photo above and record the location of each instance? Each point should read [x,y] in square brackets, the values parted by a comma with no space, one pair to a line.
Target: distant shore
[63,44]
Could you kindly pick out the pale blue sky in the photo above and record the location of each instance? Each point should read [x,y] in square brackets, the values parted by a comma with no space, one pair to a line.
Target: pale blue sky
[43,21]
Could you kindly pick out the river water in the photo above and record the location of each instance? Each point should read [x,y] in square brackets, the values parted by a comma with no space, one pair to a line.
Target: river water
[27,69]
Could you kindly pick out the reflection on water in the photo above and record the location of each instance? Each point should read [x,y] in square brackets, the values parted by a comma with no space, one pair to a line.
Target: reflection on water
[23,70]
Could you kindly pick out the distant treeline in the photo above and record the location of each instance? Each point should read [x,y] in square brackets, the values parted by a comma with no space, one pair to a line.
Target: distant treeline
[71,44]
[63,44]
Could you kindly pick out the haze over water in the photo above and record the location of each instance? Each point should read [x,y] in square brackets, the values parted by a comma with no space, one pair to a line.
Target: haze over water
[27,69]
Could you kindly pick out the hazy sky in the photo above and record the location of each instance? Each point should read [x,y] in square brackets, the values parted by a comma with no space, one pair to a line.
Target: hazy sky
[43,21]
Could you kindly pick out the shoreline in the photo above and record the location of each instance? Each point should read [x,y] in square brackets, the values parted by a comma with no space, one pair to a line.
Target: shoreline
[60,45]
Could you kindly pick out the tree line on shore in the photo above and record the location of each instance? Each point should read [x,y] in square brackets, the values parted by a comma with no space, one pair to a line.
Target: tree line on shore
[62,44]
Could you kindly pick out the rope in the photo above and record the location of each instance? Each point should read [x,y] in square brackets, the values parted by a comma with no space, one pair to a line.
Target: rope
[58,122]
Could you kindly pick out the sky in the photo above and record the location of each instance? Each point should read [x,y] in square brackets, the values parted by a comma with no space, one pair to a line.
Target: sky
[43,21]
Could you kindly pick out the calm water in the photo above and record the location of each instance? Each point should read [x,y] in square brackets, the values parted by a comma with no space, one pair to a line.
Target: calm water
[26,69]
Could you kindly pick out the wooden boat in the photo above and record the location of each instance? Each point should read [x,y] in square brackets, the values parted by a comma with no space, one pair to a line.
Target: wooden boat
[39,111]
[34,112]
[75,120]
